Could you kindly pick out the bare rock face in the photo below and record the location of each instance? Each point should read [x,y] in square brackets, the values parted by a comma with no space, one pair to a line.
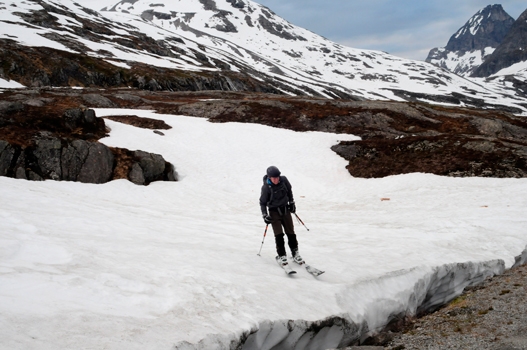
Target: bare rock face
[56,159]
[7,153]
[78,160]
[98,164]
[150,167]
[487,28]
[38,145]
[509,52]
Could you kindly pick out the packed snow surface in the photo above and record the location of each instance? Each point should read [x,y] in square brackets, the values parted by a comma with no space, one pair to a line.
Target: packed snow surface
[120,266]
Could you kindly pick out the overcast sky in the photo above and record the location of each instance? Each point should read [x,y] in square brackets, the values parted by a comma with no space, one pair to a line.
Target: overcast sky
[405,28]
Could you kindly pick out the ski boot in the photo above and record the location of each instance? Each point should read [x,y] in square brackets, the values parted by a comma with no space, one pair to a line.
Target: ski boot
[281,260]
[297,258]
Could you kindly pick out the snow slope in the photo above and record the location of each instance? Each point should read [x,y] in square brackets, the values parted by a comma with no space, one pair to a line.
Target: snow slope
[248,31]
[175,265]
[239,36]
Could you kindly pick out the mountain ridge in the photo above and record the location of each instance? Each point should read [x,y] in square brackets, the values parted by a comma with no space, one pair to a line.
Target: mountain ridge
[474,41]
[230,45]
[511,51]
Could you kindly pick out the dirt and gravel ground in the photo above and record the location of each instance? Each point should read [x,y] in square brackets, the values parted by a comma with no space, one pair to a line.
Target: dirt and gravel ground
[491,316]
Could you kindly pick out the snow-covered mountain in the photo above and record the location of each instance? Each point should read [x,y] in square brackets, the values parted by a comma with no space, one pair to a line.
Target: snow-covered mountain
[207,44]
[468,48]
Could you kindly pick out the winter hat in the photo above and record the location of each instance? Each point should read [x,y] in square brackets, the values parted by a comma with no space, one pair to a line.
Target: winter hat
[273,171]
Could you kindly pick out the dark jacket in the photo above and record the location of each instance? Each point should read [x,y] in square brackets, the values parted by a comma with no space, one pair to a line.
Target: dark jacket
[276,197]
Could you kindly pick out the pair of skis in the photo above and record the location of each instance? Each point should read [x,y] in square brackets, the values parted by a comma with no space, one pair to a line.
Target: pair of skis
[288,270]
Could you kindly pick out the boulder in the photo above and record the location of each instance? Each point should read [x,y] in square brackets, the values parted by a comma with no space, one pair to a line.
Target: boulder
[78,118]
[98,166]
[150,167]
[136,174]
[99,101]
[72,159]
[47,154]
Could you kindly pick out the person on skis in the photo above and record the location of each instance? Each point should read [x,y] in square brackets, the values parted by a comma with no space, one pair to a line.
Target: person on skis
[278,197]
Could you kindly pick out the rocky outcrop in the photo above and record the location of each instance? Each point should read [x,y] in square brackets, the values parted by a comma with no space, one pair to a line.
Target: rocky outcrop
[37,144]
[510,51]
[150,167]
[79,160]
[26,65]
[56,159]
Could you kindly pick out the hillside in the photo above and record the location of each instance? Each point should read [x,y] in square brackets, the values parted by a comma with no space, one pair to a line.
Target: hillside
[204,45]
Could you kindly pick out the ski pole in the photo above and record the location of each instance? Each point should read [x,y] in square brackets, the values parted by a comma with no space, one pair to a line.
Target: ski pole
[299,220]
[263,239]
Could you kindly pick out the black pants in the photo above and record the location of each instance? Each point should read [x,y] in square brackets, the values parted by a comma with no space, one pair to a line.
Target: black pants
[285,221]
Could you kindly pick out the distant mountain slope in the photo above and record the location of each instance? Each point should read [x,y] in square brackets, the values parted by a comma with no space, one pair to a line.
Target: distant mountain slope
[213,45]
[472,43]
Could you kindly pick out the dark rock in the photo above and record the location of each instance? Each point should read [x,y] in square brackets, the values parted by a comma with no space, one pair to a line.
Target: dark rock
[170,172]
[96,100]
[98,166]
[487,28]
[78,118]
[56,159]
[510,51]
[209,5]
[153,165]
[9,107]
[47,153]
[34,176]
[277,29]
[73,158]
[237,3]
[7,153]
[136,174]
[149,15]
[20,170]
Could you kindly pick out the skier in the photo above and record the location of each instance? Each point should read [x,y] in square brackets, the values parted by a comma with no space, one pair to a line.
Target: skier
[278,197]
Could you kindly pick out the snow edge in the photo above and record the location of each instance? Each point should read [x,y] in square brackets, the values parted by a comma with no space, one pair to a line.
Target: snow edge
[434,288]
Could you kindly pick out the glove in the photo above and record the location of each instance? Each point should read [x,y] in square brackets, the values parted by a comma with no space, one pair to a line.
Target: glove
[267,219]
[291,207]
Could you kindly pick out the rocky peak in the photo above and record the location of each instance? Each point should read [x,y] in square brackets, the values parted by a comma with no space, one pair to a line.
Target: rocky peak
[473,42]
[510,51]
[487,28]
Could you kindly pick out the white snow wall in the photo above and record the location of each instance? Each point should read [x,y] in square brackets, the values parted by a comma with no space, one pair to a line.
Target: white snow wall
[389,300]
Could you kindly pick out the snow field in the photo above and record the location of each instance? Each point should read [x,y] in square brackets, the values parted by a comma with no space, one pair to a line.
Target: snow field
[124,266]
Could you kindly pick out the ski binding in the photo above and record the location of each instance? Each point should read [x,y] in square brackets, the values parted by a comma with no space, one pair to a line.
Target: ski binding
[286,267]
